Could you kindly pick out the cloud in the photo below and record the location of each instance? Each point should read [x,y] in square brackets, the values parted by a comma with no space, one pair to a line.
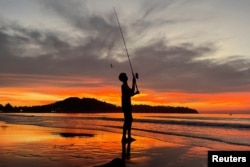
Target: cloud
[176,68]
[28,52]
[77,14]
[46,56]
[149,7]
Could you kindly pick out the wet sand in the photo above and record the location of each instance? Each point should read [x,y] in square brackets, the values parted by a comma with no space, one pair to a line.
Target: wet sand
[27,145]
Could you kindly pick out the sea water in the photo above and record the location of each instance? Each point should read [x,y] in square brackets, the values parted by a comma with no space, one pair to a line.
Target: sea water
[213,131]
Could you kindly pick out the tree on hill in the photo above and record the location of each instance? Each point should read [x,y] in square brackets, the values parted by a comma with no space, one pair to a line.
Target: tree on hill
[8,108]
[91,105]
[162,109]
[1,107]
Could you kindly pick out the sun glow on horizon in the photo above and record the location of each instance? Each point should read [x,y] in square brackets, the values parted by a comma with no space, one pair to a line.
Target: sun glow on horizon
[200,102]
[52,50]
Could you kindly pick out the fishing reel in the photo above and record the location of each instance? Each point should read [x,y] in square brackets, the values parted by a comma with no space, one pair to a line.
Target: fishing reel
[136,75]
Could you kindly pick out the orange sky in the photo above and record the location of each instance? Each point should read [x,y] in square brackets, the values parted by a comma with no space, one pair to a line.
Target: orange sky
[216,102]
[52,50]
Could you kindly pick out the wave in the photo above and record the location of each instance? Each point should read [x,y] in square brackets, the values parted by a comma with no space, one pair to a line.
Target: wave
[205,122]
[187,135]
[186,122]
[104,124]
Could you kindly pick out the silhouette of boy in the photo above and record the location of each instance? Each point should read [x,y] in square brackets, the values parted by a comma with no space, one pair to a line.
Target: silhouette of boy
[127,93]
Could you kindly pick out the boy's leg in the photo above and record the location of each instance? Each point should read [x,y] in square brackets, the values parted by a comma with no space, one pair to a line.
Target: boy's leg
[130,119]
[129,133]
[130,139]
[124,129]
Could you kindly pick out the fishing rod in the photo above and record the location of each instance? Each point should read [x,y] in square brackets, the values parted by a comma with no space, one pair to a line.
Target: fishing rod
[135,75]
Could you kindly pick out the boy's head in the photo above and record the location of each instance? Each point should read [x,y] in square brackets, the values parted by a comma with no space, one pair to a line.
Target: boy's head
[123,77]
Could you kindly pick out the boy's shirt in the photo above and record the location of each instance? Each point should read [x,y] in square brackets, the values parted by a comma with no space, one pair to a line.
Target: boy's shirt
[126,97]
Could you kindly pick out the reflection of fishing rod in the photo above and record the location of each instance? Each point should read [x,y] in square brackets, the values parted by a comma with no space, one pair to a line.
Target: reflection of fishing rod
[135,75]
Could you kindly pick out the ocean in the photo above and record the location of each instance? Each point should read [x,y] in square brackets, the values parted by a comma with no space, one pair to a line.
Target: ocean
[212,131]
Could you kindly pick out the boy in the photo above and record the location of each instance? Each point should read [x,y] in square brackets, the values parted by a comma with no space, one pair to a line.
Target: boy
[127,93]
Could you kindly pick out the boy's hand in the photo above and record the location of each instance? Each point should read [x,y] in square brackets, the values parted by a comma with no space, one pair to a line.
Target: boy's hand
[134,79]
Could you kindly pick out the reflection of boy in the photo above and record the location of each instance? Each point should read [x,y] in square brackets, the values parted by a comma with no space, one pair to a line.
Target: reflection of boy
[127,93]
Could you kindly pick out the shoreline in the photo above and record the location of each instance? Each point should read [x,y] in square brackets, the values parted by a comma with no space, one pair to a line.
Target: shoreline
[28,145]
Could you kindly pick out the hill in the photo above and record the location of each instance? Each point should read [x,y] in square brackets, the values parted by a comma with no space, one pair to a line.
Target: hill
[91,105]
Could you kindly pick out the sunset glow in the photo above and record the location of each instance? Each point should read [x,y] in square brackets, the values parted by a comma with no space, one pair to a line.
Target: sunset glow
[193,54]
[202,102]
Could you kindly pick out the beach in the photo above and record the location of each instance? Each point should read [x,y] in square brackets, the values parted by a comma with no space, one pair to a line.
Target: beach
[28,145]
[90,141]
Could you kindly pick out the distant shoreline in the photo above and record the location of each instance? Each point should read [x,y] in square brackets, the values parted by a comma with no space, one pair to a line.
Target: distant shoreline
[91,105]
[96,112]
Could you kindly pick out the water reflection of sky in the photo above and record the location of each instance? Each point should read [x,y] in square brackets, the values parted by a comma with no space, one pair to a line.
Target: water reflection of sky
[21,133]
[22,143]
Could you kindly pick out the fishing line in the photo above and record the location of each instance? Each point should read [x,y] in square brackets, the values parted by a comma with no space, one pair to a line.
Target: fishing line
[135,75]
